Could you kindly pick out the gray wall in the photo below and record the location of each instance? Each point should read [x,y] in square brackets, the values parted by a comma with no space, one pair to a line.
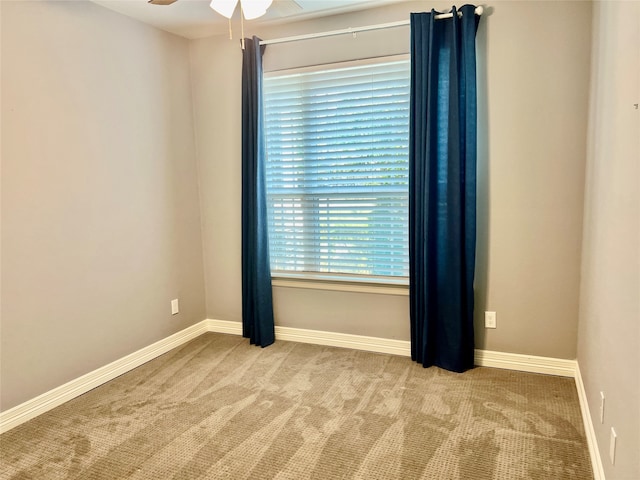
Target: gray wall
[609,333]
[533,110]
[100,214]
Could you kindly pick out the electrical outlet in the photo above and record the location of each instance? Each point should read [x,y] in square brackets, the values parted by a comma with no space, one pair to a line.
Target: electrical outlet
[612,446]
[601,407]
[489,319]
[175,308]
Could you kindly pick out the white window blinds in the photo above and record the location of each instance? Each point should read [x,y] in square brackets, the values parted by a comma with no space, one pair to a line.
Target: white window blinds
[337,169]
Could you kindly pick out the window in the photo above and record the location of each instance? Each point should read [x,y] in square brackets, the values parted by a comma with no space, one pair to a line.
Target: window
[337,141]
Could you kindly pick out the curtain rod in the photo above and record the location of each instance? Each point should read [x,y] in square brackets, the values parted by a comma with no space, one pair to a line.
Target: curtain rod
[355,30]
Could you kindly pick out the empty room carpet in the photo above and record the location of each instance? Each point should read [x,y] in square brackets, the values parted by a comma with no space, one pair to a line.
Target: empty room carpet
[218,408]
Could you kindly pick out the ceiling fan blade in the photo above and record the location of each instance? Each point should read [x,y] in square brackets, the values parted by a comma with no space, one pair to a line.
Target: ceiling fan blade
[224,7]
[161,2]
[254,9]
[285,8]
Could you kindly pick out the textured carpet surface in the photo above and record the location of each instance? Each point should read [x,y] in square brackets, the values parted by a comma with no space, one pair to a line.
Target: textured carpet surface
[217,408]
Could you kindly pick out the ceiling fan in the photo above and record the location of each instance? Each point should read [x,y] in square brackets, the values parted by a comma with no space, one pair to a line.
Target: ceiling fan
[250,8]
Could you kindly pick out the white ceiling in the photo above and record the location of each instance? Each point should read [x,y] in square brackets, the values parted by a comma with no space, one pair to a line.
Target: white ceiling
[195,19]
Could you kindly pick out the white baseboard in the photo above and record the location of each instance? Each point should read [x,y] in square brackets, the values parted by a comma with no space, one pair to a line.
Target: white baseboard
[224,326]
[483,358]
[526,363]
[592,442]
[51,399]
[317,337]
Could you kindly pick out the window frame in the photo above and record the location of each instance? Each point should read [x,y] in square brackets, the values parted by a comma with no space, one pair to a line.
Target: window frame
[388,285]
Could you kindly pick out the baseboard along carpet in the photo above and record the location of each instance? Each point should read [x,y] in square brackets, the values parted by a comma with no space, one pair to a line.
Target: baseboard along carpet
[218,408]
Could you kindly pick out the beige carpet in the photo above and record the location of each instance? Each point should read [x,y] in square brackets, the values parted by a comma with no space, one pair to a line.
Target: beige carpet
[217,408]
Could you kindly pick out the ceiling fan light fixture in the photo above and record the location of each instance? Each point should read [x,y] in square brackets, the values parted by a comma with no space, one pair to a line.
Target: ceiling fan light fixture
[224,7]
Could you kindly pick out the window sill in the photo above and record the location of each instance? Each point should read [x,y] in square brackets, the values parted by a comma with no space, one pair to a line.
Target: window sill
[340,283]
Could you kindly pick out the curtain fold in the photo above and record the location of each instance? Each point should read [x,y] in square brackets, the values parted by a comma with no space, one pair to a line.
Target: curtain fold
[442,188]
[257,300]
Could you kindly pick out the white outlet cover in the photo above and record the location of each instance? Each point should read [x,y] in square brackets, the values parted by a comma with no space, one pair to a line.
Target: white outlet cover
[175,308]
[489,319]
[601,407]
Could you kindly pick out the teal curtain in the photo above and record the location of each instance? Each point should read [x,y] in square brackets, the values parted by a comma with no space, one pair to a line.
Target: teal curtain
[257,300]
[442,188]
